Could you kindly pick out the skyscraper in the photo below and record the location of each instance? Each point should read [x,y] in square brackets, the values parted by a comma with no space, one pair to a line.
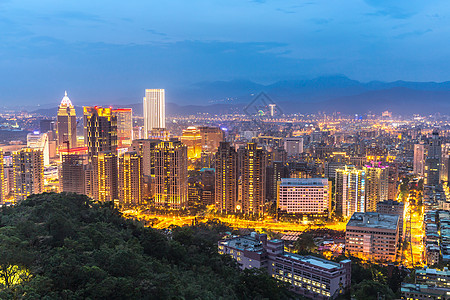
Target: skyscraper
[419,159]
[433,160]
[124,126]
[2,179]
[130,179]
[226,178]
[171,180]
[154,110]
[71,174]
[39,141]
[66,124]
[28,165]
[100,130]
[253,176]
[350,191]
[377,179]
[106,176]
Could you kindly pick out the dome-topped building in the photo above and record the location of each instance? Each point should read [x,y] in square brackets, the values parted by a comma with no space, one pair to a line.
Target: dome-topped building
[65,102]
[66,127]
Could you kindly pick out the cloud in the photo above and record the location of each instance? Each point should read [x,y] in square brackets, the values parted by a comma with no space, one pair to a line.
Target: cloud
[414,33]
[398,9]
[152,31]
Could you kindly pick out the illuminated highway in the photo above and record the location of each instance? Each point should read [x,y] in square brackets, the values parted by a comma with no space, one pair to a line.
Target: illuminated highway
[164,221]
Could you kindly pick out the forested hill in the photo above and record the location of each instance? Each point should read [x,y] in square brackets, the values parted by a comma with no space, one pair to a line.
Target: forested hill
[63,246]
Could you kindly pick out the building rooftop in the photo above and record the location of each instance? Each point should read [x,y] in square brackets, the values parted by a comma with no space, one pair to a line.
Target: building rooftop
[304,181]
[373,220]
[315,261]
[244,242]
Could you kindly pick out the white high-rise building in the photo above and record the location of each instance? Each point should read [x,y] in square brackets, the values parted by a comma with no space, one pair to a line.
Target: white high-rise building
[154,110]
[419,159]
[39,141]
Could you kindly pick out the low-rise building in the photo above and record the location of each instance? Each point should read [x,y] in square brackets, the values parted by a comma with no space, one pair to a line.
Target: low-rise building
[372,236]
[308,276]
[423,292]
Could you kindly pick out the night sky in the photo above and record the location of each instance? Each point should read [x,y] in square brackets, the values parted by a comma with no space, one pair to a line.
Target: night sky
[112,50]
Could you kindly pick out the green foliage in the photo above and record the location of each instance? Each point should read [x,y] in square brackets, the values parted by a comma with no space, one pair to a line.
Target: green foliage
[72,248]
[371,290]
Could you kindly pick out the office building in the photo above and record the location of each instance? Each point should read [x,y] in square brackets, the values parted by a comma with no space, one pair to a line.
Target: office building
[124,118]
[192,139]
[377,185]
[350,190]
[373,236]
[71,173]
[100,130]
[293,145]
[171,181]
[308,276]
[39,141]
[28,166]
[154,110]
[226,179]
[310,196]
[131,179]
[66,124]
[393,207]
[253,161]
[105,177]
[419,159]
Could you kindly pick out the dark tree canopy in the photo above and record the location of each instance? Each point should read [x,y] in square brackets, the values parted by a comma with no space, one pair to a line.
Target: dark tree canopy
[64,246]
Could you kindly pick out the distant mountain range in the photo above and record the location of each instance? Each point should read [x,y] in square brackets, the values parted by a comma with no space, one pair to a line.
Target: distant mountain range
[327,93]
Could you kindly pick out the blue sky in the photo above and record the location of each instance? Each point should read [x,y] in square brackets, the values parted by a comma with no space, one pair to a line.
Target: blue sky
[110,51]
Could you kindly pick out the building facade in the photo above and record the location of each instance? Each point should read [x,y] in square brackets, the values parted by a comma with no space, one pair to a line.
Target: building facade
[100,130]
[130,179]
[293,145]
[106,177]
[71,173]
[304,196]
[154,110]
[350,190]
[66,124]
[377,185]
[28,170]
[124,118]
[372,236]
[171,178]
[226,179]
[253,177]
